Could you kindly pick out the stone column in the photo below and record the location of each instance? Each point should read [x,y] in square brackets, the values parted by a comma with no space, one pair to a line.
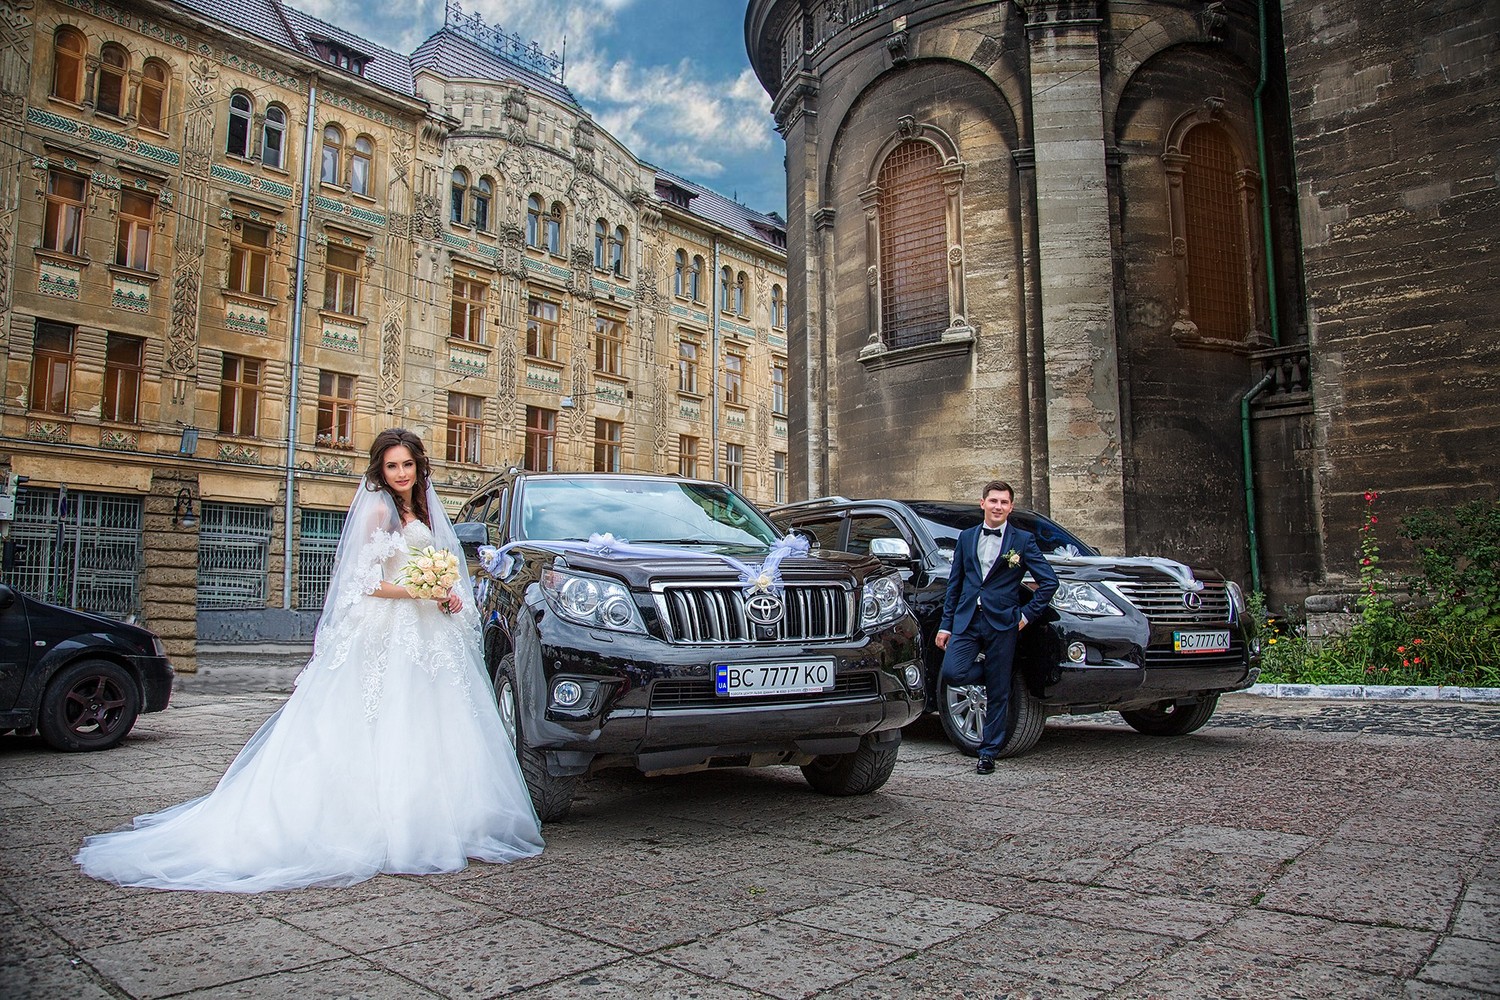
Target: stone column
[169,583]
[1084,470]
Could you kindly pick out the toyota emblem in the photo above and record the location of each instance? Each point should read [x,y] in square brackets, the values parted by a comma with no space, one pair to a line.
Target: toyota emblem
[763,608]
[1192,600]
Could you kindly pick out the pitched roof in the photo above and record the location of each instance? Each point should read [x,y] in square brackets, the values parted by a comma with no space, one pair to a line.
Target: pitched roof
[707,203]
[387,68]
[452,54]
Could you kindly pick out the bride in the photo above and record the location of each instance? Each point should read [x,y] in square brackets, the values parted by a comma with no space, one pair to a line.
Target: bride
[388,757]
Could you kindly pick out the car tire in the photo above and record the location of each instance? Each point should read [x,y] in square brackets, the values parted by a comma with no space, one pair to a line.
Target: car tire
[1172,718]
[857,773]
[89,705]
[961,710]
[551,796]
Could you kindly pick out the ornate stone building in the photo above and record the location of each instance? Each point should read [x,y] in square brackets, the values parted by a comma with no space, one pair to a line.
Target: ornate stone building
[235,241]
[1064,241]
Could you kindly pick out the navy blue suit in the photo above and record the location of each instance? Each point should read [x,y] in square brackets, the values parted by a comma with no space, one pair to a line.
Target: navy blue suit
[982,614]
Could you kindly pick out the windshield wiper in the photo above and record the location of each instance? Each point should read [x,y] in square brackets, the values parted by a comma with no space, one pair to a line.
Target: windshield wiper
[687,541]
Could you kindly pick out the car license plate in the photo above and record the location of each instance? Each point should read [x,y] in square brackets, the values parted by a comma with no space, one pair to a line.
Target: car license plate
[738,680]
[1200,642]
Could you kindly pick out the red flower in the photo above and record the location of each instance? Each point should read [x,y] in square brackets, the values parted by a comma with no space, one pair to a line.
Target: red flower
[1417,641]
[1373,519]
[1371,496]
[1400,649]
[1365,561]
[1385,670]
[1404,663]
[1416,659]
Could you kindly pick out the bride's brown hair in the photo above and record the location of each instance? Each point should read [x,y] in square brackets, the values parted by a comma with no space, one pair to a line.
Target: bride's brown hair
[375,474]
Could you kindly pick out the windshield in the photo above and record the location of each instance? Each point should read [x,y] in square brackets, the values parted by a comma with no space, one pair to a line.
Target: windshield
[641,511]
[946,520]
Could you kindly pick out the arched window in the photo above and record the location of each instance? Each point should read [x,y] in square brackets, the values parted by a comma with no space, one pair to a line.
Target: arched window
[333,153]
[151,105]
[726,289]
[362,165]
[68,47]
[695,280]
[741,293]
[1218,267]
[778,308]
[484,193]
[114,65]
[238,143]
[273,138]
[601,239]
[458,192]
[553,224]
[534,222]
[913,246]
[679,274]
[617,241]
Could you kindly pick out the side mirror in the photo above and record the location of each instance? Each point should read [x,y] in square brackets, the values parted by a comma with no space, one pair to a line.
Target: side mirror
[471,535]
[890,549]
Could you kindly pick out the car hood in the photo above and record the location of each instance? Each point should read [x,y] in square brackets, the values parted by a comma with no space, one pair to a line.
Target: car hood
[54,622]
[708,563]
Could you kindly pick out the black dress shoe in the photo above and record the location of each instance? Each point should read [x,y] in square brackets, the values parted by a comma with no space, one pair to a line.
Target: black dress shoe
[985,766]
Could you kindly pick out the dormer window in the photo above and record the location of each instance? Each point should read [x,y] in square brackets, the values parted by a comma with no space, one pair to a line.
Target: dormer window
[338,55]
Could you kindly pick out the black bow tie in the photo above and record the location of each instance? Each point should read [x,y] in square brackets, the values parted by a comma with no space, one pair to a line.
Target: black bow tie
[997,532]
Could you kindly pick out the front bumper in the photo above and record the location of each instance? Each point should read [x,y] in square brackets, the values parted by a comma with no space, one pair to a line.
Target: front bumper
[156,676]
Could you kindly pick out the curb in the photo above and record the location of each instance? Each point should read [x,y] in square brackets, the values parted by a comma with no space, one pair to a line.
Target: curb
[1377,692]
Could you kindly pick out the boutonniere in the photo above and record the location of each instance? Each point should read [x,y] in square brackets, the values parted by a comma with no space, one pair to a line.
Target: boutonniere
[1013,558]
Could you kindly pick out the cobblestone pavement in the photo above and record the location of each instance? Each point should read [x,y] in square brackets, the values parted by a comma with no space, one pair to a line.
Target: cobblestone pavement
[1290,849]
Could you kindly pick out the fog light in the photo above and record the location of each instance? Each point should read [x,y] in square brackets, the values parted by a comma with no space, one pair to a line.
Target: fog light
[913,676]
[1255,646]
[1077,652]
[566,694]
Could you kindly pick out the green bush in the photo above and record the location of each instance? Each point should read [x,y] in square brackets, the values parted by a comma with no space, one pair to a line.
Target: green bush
[1448,636]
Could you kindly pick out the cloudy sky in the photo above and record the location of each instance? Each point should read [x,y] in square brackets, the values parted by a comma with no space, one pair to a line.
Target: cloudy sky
[668,78]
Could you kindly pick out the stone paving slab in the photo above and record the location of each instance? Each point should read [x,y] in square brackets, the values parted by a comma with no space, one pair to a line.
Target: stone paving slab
[1290,849]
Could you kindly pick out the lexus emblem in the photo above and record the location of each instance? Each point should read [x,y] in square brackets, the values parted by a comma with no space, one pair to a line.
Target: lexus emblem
[763,608]
[1192,600]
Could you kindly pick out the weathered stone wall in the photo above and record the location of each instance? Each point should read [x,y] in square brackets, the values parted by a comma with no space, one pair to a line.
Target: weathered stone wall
[1395,114]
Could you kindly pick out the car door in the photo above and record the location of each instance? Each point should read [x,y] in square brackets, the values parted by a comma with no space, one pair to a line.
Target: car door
[15,646]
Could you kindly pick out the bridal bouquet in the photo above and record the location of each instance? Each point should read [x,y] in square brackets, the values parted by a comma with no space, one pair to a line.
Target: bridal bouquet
[429,573]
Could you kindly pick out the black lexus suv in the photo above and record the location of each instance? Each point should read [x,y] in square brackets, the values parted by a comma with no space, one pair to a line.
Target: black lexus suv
[1152,639]
[665,624]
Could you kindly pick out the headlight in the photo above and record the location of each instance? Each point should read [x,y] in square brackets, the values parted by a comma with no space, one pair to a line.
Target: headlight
[1083,599]
[1236,600]
[881,602]
[592,601]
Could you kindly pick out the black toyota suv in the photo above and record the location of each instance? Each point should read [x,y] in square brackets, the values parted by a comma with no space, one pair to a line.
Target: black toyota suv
[1150,638]
[664,624]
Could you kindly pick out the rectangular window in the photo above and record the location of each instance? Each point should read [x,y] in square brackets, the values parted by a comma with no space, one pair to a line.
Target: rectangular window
[133,238]
[234,554]
[63,228]
[541,438]
[778,477]
[778,387]
[465,421]
[335,410]
[239,396]
[51,367]
[734,378]
[541,329]
[687,366]
[341,282]
[315,552]
[609,345]
[607,437]
[687,457]
[467,321]
[123,367]
[734,466]
[249,258]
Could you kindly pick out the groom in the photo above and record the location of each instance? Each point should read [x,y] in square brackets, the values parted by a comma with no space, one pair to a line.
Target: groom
[984,609]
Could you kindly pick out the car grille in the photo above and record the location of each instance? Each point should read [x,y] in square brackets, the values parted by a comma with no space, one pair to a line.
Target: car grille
[1161,601]
[706,613]
[698,692]
[1165,656]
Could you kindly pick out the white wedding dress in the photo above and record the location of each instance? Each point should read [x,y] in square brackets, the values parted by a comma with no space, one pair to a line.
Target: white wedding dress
[388,757]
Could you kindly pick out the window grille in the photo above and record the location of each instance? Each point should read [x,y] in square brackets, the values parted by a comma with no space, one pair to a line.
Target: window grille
[315,552]
[913,246]
[234,553]
[88,555]
[1216,259]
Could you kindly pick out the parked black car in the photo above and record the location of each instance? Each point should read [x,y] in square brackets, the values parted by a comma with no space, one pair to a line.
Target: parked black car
[695,637]
[78,679]
[1148,638]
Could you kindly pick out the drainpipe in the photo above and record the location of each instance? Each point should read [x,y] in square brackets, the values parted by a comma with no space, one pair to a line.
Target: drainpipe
[713,307]
[1265,192]
[1254,539]
[296,347]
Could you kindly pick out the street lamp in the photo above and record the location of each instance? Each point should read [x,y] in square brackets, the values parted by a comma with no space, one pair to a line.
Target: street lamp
[182,510]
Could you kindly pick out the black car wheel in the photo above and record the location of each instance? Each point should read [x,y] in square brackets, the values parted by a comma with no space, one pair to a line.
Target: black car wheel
[89,705]
[1172,718]
[857,773]
[551,796]
[961,709]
